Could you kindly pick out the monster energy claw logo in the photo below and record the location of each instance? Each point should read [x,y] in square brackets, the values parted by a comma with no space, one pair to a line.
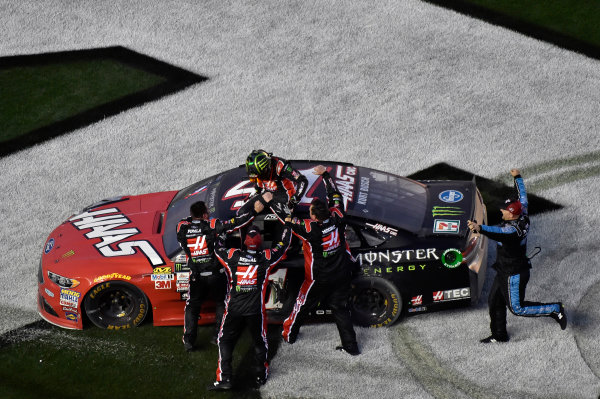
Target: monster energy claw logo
[446,211]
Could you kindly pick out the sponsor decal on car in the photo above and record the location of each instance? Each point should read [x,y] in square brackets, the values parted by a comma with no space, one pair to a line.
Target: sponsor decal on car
[452,258]
[68,254]
[416,300]
[196,192]
[345,178]
[393,269]
[106,224]
[69,309]
[162,270]
[447,211]
[69,298]
[49,246]
[182,286]
[111,276]
[49,293]
[162,277]
[451,196]
[363,191]
[446,226]
[183,276]
[72,316]
[398,256]
[162,284]
[383,229]
[417,309]
[451,295]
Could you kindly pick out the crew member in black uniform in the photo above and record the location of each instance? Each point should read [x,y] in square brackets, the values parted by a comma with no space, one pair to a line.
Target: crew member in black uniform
[328,266]
[277,176]
[196,235]
[247,278]
[512,267]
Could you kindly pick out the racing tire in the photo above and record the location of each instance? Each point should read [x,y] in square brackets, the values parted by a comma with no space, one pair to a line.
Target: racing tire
[374,302]
[116,305]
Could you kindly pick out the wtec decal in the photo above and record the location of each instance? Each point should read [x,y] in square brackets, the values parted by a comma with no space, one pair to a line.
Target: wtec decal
[105,224]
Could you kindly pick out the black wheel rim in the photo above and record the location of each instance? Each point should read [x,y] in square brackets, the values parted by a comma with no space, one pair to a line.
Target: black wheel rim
[116,304]
[369,303]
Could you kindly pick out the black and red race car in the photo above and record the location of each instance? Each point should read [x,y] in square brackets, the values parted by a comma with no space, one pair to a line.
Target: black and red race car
[118,260]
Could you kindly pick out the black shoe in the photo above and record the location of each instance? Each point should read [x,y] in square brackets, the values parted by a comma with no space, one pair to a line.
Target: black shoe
[188,346]
[224,385]
[492,340]
[260,381]
[214,341]
[351,350]
[289,340]
[560,317]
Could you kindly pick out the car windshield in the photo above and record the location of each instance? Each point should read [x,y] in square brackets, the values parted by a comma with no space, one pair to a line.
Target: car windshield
[205,190]
[388,198]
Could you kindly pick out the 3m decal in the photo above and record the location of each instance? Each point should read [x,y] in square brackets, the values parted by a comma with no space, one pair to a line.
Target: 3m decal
[451,196]
[452,258]
[398,256]
[446,226]
[447,211]
[105,224]
[451,295]
[162,285]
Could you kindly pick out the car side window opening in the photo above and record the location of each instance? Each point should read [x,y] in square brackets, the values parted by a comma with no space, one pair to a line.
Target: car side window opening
[357,237]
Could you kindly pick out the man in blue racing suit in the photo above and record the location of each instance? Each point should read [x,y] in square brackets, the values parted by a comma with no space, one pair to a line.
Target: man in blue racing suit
[512,267]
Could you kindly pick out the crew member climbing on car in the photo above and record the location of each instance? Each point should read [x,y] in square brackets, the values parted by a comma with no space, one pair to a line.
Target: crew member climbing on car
[197,234]
[327,266]
[512,267]
[277,176]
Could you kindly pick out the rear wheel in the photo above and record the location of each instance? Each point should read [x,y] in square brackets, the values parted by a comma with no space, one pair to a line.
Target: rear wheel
[116,305]
[375,302]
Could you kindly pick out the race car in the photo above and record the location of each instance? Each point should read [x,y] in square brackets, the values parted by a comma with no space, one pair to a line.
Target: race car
[117,261]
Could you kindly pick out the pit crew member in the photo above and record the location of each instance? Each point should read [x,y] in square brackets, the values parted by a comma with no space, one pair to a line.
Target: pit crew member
[197,234]
[328,266]
[512,267]
[247,278]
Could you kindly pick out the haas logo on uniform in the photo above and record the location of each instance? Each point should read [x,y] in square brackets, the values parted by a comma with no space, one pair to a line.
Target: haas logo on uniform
[246,275]
[198,246]
[331,241]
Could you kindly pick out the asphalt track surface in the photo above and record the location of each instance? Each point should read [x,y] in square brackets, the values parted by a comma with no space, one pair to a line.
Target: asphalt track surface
[392,85]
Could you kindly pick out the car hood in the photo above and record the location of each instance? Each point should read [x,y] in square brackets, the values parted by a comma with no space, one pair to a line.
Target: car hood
[119,231]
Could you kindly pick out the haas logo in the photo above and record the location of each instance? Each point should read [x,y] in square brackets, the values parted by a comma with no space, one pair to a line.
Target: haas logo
[331,241]
[246,275]
[198,246]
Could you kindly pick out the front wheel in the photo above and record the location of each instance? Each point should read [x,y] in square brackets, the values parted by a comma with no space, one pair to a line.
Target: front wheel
[375,302]
[116,305]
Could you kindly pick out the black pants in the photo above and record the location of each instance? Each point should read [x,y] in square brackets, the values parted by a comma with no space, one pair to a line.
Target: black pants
[203,288]
[508,291]
[231,329]
[311,294]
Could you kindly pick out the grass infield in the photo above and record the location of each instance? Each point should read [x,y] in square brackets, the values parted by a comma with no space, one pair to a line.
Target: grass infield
[40,360]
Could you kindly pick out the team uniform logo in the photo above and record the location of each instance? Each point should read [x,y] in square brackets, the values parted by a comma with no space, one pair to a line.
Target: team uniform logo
[331,242]
[198,246]
[247,278]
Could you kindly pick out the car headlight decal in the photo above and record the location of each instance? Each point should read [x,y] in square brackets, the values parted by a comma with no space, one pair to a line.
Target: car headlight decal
[61,281]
